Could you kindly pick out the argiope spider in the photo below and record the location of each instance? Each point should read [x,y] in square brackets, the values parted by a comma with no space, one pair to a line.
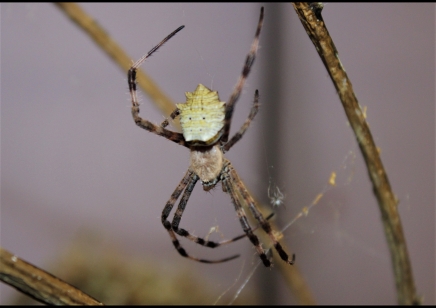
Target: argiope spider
[205,122]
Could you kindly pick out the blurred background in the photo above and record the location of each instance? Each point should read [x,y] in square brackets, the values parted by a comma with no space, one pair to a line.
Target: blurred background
[80,182]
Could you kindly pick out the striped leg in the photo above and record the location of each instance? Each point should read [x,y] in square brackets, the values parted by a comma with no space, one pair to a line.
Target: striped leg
[246,124]
[145,124]
[241,81]
[230,188]
[187,184]
[194,238]
[173,115]
[258,215]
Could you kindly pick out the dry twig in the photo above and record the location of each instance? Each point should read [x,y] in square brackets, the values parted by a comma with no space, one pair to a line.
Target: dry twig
[39,284]
[310,16]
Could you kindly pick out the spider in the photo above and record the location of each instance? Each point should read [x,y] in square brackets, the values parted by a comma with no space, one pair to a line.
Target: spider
[205,122]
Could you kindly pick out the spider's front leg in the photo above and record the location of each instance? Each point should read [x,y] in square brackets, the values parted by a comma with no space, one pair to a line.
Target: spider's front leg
[145,124]
[173,115]
[236,137]
[251,56]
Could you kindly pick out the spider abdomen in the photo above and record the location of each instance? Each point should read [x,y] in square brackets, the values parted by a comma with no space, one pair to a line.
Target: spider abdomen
[207,163]
[202,116]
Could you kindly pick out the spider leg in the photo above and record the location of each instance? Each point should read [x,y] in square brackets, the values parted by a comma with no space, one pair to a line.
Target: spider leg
[145,124]
[173,115]
[258,215]
[240,236]
[201,241]
[187,184]
[236,137]
[241,81]
[230,188]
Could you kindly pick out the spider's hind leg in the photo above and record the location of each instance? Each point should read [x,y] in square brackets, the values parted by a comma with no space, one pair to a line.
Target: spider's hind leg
[259,217]
[187,185]
[229,187]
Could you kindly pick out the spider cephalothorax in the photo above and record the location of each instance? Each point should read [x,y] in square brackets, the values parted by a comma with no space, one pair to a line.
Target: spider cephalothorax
[205,122]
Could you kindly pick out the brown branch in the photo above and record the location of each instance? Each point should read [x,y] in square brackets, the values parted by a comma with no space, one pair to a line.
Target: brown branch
[118,55]
[39,284]
[310,16]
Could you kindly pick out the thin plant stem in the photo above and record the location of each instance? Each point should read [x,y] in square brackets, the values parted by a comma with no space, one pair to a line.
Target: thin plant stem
[313,23]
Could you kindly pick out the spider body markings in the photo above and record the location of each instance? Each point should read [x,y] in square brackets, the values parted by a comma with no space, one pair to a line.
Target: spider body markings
[205,122]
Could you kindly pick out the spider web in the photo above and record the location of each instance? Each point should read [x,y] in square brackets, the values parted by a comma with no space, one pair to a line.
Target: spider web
[340,177]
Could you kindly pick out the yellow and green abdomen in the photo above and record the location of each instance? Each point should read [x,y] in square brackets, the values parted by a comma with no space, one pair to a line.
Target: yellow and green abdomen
[202,116]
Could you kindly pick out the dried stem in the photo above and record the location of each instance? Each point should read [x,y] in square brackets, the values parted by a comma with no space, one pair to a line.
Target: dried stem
[118,55]
[310,16]
[39,284]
